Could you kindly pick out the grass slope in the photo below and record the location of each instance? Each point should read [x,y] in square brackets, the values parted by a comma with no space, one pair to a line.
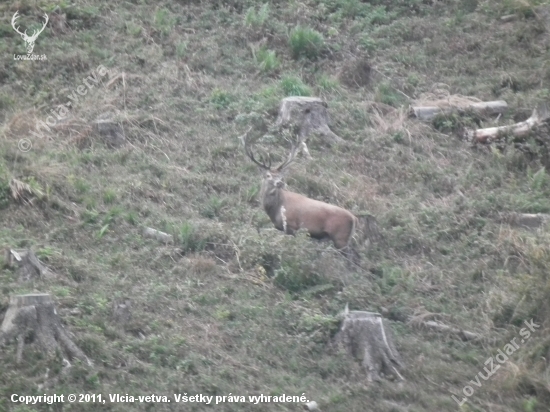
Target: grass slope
[235,306]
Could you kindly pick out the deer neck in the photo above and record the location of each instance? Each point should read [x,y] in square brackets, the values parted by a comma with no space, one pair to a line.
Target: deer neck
[272,201]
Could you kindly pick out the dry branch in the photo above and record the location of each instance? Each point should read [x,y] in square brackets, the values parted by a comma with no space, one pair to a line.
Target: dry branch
[34,317]
[23,192]
[367,338]
[520,129]
[427,113]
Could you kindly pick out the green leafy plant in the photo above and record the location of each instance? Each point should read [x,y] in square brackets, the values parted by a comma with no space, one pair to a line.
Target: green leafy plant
[267,60]
[293,86]
[305,42]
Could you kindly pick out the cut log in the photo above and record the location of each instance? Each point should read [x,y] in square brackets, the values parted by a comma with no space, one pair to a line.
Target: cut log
[367,338]
[526,220]
[428,113]
[539,116]
[310,116]
[158,235]
[34,317]
[26,263]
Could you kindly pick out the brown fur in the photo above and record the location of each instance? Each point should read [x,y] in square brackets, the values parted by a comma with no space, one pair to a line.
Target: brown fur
[321,220]
[291,211]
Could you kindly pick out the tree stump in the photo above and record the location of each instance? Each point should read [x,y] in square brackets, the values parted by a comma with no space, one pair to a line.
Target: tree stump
[34,317]
[369,340]
[26,263]
[121,313]
[310,116]
[110,130]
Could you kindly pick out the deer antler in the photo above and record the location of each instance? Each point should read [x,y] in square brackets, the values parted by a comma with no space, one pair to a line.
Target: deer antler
[289,160]
[249,153]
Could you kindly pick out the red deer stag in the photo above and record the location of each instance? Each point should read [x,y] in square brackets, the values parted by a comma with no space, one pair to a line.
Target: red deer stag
[291,211]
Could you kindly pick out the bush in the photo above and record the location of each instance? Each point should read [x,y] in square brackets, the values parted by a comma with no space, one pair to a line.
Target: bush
[306,42]
[257,19]
[267,60]
[293,86]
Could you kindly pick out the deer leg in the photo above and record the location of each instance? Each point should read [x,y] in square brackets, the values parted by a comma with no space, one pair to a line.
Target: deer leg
[351,255]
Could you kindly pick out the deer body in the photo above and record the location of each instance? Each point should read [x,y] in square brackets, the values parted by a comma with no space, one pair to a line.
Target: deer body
[291,211]
[295,211]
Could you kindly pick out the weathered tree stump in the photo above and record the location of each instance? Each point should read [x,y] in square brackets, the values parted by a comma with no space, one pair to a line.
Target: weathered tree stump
[310,116]
[369,340]
[110,131]
[121,313]
[34,317]
[26,263]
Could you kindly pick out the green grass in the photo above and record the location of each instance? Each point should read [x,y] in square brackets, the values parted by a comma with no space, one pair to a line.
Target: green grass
[267,60]
[305,42]
[234,306]
[294,86]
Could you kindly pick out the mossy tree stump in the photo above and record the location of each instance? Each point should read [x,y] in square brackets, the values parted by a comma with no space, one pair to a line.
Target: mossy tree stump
[34,317]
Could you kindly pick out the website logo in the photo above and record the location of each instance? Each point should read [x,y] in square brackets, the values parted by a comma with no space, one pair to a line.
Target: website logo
[29,40]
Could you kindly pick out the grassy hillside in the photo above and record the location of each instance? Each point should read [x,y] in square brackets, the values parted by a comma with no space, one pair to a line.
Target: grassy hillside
[235,306]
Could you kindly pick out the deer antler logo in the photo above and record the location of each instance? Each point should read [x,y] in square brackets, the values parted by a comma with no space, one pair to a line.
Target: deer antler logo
[28,39]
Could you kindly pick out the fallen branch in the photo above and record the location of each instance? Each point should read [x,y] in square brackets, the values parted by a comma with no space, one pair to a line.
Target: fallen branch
[441,327]
[520,129]
[428,113]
